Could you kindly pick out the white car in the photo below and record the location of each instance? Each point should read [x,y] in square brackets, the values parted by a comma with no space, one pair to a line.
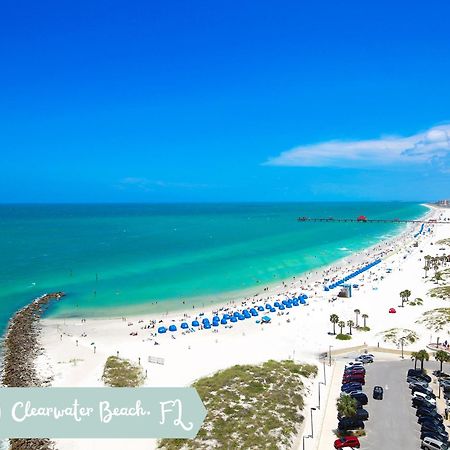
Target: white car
[426,397]
[429,443]
[354,364]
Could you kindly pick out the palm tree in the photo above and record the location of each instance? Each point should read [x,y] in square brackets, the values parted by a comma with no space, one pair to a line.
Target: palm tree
[421,355]
[442,356]
[341,324]
[415,358]
[427,265]
[365,316]
[404,295]
[350,323]
[334,319]
[357,313]
[346,406]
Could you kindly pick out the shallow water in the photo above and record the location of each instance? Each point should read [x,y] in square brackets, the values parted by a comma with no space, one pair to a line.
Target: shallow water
[110,257]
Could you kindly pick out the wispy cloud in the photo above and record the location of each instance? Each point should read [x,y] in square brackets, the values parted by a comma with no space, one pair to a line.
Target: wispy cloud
[431,146]
[148,185]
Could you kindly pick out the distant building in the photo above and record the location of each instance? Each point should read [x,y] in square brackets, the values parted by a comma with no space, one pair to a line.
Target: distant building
[444,203]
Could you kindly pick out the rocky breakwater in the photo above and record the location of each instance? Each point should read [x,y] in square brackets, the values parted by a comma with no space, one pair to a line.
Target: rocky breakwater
[21,348]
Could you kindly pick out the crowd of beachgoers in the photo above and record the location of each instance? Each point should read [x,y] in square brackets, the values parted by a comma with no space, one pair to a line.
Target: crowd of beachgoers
[76,350]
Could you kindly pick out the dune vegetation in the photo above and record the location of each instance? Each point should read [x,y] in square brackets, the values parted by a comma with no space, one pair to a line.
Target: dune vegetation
[436,319]
[250,407]
[120,372]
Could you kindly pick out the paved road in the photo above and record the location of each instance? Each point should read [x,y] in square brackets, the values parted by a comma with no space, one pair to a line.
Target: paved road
[392,423]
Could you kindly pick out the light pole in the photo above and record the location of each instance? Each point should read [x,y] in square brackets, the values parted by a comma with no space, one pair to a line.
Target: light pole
[324,374]
[401,341]
[320,382]
[312,426]
[329,355]
[305,437]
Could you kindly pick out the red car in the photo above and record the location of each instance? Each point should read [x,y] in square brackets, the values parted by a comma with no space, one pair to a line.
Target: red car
[347,441]
[392,311]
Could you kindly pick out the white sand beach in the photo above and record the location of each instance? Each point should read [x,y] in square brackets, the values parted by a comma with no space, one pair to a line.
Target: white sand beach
[76,350]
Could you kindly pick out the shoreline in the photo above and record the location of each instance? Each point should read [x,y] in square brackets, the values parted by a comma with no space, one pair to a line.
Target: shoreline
[21,351]
[76,350]
[177,306]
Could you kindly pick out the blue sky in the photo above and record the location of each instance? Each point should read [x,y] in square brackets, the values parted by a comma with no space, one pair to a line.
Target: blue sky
[224,101]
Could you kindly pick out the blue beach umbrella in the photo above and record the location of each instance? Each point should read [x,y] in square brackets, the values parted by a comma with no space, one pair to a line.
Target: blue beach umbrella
[195,323]
[223,321]
[233,319]
[207,326]
[172,328]
[184,325]
[260,308]
[162,330]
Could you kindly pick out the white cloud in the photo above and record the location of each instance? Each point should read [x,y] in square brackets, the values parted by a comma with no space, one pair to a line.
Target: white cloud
[432,146]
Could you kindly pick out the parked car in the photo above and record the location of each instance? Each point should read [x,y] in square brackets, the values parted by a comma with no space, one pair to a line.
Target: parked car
[412,372]
[430,412]
[431,399]
[430,426]
[423,390]
[422,383]
[354,364]
[421,377]
[429,443]
[443,437]
[348,423]
[351,387]
[347,441]
[353,379]
[435,420]
[361,398]
[361,414]
[417,402]
[364,359]
[355,369]
[378,393]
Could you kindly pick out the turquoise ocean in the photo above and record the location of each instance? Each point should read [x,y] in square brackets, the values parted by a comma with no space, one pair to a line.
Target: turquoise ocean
[118,259]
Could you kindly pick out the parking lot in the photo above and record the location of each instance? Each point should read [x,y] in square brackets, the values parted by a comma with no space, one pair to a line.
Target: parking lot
[392,423]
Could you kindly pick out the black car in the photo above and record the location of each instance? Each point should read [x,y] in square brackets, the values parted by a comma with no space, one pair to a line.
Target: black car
[434,435]
[423,390]
[427,412]
[351,387]
[412,372]
[361,398]
[378,393]
[361,414]
[434,420]
[421,376]
[417,402]
[429,426]
[348,423]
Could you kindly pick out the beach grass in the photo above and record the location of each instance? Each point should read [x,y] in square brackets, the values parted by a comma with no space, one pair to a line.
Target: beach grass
[395,335]
[440,292]
[436,319]
[120,372]
[250,407]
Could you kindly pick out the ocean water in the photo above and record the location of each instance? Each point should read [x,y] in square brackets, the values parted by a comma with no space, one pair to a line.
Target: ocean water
[111,259]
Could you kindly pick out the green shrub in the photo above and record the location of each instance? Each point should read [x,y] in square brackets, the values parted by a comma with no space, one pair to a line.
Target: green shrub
[343,337]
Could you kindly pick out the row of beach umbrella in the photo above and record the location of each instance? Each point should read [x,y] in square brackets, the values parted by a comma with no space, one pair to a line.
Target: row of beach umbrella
[237,316]
[352,275]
